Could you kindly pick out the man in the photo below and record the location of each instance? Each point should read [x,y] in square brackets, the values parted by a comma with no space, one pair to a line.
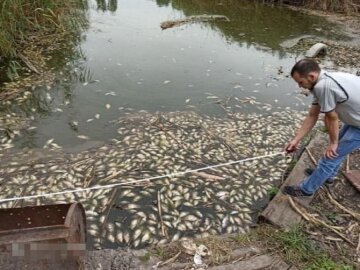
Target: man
[337,95]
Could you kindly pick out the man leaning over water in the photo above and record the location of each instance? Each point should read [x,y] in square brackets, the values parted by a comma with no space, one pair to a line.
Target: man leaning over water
[337,95]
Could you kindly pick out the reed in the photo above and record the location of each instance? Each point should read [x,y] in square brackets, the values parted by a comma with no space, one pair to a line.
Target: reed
[23,20]
[346,6]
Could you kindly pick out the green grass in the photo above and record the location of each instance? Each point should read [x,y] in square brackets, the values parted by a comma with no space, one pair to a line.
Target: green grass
[293,246]
[160,252]
[325,263]
[145,257]
[273,191]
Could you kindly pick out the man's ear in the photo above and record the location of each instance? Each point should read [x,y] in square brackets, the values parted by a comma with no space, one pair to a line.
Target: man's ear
[312,76]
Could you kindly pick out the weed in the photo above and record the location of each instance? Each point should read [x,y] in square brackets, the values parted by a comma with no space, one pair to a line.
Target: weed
[291,165]
[295,247]
[294,243]
[323,262]
[12,70]
[145,257]
[273,191]
[160,252]
[20,19]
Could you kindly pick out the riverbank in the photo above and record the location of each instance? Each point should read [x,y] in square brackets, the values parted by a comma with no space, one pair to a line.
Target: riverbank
[32,33]
[341,54]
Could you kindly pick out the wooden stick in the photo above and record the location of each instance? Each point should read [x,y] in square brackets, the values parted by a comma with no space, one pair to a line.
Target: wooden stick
[89,176]
[208,176]
[28,63]
[160,215]
[318,221]
[107,207]
[355,215]
[171,260]
[292,203]
[347,166]
[311,156]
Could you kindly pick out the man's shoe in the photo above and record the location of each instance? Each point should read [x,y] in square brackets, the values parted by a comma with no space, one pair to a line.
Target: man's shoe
[295,191]
[309,171]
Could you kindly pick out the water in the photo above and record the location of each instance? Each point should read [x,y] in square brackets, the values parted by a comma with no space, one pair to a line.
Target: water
[126,60]
[124,64]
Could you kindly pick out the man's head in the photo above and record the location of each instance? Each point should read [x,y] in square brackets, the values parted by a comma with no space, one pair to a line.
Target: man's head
[306,73]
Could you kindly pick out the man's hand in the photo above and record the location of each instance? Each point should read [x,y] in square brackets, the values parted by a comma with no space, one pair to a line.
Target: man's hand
[291,146]
[331,151]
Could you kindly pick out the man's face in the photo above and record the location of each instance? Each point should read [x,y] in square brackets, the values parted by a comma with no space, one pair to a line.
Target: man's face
[308,81]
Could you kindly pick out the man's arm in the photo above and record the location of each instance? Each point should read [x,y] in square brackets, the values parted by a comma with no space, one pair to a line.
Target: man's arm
[332,125]
[305,128]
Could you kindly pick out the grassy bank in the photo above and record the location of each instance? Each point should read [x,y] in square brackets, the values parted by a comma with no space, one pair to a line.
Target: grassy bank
[346,6]
[35,24]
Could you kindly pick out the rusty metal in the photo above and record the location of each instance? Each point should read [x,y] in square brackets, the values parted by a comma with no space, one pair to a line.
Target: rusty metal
[43,235]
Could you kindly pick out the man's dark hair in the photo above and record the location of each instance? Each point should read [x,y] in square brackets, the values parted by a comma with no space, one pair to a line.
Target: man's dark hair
[304,67]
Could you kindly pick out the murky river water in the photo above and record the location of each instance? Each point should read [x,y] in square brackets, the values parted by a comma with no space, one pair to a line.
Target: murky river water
[228,82]
[129,62]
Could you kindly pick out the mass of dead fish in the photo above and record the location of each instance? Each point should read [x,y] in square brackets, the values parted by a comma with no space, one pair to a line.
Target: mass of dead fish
[215,201]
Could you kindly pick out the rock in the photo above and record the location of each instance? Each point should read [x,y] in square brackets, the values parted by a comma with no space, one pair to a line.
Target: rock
[316,49]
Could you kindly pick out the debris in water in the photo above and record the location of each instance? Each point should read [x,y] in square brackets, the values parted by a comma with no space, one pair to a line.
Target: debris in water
[83,137]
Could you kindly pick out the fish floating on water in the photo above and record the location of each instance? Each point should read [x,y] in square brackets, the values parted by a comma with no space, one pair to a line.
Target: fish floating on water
[221,200]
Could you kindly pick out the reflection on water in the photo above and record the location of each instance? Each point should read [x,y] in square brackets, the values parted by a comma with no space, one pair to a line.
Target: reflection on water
[253,22]
[104,5]
[126,63]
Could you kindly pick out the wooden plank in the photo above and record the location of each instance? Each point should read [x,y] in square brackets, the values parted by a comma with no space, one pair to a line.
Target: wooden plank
[353,176]
[279,212]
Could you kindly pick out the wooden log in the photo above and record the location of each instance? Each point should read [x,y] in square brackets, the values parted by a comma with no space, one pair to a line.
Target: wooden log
[279,212]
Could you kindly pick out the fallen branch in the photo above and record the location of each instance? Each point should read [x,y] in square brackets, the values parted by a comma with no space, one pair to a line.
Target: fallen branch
[318,221]
[89,176]
[107,207]
[337,204]
[28,63]
[208,176]
[163,230]
[193,19]
[171,260]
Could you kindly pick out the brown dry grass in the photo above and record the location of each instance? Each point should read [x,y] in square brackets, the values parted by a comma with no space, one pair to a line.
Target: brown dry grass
[346,6]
